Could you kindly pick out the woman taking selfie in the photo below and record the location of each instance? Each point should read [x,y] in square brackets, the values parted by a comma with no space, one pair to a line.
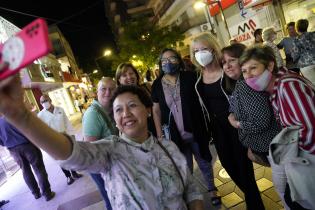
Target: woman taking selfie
[138,172]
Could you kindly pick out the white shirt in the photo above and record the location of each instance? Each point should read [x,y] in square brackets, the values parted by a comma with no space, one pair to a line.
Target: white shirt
[57,120]
[137,176]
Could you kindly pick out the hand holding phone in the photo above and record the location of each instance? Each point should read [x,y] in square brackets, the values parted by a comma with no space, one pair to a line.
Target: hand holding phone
[30,43]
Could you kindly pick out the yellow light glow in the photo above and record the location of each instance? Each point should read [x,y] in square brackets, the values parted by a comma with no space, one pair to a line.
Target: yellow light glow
[134,56]
[95,71]
[199,5]
[107,52]
[84,86]
[84,80]
[137,63]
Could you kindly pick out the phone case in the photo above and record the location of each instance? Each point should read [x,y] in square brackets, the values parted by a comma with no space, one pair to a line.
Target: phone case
[30,43]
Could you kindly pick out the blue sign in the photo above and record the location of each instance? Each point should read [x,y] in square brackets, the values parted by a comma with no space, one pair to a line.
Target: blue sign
[241,7]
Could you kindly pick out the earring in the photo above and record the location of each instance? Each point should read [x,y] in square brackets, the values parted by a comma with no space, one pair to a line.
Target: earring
[149,114]
[116,126]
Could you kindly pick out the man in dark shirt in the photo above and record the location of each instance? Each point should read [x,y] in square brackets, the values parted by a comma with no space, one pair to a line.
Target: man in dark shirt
[26,155]
[287,44]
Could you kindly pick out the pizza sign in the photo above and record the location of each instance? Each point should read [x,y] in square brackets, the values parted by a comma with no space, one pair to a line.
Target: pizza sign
[244,31]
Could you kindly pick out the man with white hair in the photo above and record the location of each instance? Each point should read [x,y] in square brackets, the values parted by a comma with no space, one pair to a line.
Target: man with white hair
[97,124]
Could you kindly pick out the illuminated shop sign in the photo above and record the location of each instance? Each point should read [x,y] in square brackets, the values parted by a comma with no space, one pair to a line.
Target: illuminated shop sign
[214,6]
[244,31]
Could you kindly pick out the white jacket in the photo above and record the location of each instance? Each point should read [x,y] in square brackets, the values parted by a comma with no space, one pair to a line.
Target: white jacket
[299,166]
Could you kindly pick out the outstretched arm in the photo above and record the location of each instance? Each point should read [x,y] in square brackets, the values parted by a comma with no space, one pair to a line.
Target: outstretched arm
[13,108]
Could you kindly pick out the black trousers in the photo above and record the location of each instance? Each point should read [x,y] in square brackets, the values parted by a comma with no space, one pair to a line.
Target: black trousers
[233,157]
[27,156]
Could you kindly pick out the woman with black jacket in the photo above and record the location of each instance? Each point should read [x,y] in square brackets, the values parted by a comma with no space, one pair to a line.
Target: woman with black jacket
[213,89]
[176,106]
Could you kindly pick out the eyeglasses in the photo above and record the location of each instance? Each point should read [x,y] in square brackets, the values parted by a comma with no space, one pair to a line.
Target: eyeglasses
[172,59]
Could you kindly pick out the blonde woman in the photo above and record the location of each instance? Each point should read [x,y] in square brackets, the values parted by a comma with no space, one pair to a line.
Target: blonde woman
[213,89]
[269,36]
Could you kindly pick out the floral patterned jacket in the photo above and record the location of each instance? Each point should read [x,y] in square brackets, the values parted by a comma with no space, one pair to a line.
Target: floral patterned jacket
[137,176]
[303,51]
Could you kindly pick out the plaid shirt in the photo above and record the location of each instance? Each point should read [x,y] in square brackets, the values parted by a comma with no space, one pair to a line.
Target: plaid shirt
[294,104]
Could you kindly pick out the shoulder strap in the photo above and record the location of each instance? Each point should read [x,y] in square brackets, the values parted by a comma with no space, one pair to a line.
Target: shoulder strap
[104,116]
[170,157]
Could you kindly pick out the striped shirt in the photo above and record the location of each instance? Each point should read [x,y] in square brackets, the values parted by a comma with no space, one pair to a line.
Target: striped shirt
[293,102]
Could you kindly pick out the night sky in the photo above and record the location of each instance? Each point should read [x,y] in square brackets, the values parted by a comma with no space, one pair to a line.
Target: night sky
[87,31]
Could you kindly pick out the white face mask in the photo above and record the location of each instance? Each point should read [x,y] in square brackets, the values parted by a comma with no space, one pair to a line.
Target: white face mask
[204,57]
[46,105]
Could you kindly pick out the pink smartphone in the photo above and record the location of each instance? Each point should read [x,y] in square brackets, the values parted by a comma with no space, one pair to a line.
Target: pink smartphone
[30,43]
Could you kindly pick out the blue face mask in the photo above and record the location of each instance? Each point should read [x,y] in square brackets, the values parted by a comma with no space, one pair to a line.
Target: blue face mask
[170,68]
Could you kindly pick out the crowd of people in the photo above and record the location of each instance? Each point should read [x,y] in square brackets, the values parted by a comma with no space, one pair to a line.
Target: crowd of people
[140,141]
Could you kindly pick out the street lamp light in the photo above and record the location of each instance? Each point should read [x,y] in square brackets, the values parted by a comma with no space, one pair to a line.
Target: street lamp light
[95,71]
[107,53]
[199,5]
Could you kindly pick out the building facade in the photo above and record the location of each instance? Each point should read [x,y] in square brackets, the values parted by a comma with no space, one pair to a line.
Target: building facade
[56,74]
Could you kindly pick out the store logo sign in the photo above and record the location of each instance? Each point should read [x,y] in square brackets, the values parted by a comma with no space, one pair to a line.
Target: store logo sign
[247,26]
[243,32]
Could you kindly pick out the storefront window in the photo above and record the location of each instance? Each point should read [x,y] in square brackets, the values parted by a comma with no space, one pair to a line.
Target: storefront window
[295,10]
[61,98]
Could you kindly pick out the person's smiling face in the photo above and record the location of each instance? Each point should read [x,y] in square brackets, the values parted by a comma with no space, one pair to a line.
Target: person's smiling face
[129,77]
[252,68]
[105,92]
[131,115]
[231,66]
